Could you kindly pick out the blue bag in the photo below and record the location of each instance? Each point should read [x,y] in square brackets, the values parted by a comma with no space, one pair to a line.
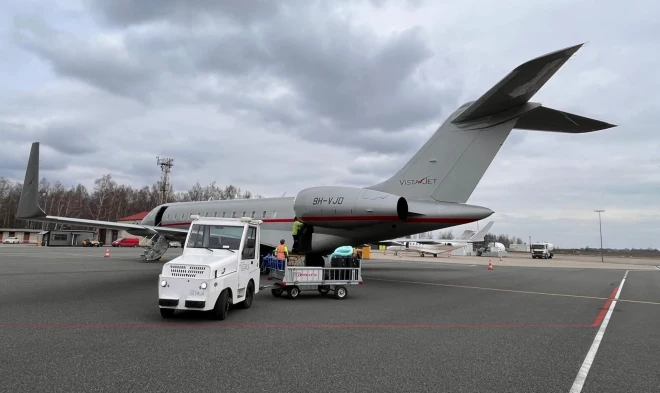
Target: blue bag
[344,251]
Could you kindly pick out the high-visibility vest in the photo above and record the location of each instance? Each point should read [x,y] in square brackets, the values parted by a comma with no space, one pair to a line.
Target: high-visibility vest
[280,251]
[296,228]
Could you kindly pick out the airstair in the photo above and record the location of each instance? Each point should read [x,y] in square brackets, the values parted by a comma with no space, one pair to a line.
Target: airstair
[155,250]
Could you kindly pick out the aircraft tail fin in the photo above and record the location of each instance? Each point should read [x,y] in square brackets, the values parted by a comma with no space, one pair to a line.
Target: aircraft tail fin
[479,236]
[451,163]
[466,235]
[28,204]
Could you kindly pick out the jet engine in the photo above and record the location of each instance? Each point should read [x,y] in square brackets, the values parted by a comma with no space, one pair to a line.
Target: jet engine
[348,207]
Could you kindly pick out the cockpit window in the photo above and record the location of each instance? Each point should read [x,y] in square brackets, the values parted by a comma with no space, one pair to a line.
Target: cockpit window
[215,237]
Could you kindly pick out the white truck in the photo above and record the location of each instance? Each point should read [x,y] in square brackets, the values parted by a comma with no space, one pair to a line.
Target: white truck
[542,250]
[219,267]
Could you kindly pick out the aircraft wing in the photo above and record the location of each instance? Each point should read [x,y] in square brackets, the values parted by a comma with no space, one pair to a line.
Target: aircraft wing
[402,242]
[392,243]
[29,209]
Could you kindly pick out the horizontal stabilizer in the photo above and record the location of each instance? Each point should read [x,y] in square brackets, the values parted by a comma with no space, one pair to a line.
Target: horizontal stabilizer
[547,119]
[518,87]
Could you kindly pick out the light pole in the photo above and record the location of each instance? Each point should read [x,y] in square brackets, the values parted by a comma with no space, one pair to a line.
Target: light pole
[600,226]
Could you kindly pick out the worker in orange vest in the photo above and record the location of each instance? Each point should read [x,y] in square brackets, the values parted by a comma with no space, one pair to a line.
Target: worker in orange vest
[281,252]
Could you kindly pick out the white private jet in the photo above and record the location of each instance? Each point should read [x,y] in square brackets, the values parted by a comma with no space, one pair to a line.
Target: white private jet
[435,247]
[428,193]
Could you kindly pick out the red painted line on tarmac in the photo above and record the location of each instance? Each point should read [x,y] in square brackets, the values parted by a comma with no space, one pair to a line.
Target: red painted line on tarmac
[606,306]
[221,325]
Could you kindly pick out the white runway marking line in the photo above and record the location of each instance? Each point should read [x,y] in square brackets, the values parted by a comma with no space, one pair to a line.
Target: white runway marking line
[657,267]
[588,360]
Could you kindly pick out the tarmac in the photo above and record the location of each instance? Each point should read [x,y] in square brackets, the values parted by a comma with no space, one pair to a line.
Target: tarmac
[72,320]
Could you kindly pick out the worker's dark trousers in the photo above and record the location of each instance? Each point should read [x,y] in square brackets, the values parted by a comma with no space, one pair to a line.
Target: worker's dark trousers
[295,243]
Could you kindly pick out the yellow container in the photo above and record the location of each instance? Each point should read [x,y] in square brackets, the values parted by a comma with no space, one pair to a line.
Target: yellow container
[366,252]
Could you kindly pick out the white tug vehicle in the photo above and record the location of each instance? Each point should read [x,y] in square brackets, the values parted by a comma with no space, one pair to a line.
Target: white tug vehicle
[219,267]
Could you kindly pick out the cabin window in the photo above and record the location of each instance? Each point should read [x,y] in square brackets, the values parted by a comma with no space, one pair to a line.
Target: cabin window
[233,215]
[253,213]
[274,214]
[168,216]
[215,214]
[263,215]
[243,214]
[206,214]
[176,215]
[224,214]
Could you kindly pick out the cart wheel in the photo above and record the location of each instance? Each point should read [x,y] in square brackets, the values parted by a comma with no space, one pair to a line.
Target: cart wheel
[277,292]
[341,292]
[167,312]
[293,292]
[324,289]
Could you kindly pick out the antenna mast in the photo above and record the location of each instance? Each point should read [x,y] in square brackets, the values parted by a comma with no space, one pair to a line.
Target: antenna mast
[166,165]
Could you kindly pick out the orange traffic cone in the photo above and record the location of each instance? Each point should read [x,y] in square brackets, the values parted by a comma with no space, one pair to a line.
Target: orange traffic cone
[490,265]
[107,253]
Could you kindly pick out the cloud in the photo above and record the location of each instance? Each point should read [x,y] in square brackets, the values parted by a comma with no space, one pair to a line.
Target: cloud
[276,97]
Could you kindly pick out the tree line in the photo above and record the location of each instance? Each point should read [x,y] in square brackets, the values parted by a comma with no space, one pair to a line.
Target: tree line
[107,201]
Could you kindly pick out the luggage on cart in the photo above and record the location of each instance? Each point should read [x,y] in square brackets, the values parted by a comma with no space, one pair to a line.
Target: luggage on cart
[340,261]
[344,251]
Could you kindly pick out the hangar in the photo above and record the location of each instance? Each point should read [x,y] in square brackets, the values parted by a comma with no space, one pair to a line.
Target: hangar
[24,235]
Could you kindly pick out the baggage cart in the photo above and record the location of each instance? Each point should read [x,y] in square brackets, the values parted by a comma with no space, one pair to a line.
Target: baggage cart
[293,276]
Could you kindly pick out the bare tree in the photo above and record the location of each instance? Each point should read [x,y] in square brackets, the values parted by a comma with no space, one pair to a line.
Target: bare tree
[108,201]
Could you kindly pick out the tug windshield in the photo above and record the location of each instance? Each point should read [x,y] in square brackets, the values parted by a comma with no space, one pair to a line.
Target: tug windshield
[227,237]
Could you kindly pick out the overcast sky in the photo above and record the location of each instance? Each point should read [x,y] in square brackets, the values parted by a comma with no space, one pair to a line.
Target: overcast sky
[276,98]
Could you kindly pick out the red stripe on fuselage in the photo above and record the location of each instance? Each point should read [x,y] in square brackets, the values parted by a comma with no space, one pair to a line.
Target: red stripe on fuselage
[447,220]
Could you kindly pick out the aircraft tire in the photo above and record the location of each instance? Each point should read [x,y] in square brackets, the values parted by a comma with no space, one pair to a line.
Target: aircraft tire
[167,312]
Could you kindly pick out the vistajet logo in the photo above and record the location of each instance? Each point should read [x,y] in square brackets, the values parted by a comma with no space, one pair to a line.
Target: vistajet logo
[412,182]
